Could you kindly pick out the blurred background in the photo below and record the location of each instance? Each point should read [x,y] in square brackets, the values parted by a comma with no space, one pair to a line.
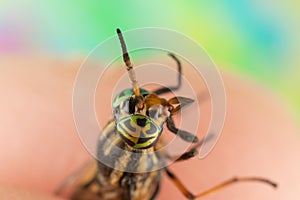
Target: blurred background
[255,40]
[259,39]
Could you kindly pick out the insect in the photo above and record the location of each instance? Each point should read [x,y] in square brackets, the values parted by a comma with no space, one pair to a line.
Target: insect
[139,117]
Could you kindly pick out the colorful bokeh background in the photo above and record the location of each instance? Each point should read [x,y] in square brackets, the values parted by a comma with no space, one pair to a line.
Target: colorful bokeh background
[259,39]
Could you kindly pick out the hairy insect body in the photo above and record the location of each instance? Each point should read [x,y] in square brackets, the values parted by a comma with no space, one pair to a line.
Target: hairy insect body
[135,186]
[129,173]
[129,153]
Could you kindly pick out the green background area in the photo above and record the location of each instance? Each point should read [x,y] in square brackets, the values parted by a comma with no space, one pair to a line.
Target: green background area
[259,39]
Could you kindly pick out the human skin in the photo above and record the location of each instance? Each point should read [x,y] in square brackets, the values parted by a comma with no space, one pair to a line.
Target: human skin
[40,145]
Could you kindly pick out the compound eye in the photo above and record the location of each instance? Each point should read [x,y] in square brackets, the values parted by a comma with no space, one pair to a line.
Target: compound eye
[154,114]
[155,111]
[117,113]
[125,106]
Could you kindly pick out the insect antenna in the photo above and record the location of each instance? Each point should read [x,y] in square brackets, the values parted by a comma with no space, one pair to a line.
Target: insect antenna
[129,65]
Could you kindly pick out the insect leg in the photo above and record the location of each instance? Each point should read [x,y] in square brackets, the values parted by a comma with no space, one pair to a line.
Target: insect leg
[186,136]
[226,183]
[163,90]
[185,156]
[191,152]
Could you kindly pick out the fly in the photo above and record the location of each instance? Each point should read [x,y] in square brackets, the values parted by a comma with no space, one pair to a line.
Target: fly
[139,117]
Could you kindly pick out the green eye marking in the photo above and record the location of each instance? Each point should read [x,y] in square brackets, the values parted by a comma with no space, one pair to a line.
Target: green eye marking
[126,94]
[138,131]
[146,144]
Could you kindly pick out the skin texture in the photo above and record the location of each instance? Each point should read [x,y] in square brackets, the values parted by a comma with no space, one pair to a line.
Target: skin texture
[40,147]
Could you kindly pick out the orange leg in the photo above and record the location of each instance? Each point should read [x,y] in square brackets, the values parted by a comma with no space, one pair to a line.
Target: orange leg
[189,195]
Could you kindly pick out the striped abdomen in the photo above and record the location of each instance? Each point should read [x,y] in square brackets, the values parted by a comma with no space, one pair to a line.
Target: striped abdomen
[118,180]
